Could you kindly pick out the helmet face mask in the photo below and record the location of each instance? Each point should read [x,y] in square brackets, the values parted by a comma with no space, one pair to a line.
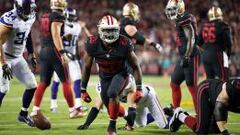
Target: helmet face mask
[174,8]
[71,14]
[108,29]
[25,8]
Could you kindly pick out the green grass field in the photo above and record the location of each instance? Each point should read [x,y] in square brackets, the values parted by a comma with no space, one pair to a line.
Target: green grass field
[62,125]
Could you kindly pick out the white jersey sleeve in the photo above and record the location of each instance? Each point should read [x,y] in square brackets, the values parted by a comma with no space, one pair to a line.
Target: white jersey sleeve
[8,18]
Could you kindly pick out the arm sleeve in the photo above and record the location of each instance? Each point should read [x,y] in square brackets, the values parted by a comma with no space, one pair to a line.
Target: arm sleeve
[29,44]
[227,37]
[200,40]
[139,38]
[7,19]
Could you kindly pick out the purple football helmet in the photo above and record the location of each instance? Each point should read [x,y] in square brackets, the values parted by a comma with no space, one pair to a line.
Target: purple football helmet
[71,14]
[25,8]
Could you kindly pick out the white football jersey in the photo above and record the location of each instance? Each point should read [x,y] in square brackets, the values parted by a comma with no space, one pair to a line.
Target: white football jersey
[74,29]
[16,41]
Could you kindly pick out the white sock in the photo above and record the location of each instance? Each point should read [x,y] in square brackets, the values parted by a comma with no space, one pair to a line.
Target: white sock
[54,103]
[71,109]
[24,109]
[78,102]
[182,117]
[35,108]
[125,113]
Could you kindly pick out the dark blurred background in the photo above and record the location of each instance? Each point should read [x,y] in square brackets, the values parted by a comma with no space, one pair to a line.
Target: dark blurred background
[153,24]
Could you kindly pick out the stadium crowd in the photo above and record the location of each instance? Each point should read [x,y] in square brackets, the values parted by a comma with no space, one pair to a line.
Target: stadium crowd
[153,23]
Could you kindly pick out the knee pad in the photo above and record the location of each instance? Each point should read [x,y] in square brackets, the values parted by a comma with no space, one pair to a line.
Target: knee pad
[5,86]
[31,85]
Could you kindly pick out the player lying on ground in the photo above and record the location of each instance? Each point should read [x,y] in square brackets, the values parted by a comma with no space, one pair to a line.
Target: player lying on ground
[216,40]
[53,57]
[187,65]
[15,27]
[148,108]
[72,31]
[111,51]
[214,99]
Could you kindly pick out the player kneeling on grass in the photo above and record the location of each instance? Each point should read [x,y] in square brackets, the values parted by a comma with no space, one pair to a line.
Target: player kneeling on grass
[111,52]
[148,108]
[15,27]
[214,99]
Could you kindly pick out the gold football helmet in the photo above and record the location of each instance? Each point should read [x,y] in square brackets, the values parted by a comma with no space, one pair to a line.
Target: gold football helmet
[58,4]
[215,13]
[174,8]
[132,10]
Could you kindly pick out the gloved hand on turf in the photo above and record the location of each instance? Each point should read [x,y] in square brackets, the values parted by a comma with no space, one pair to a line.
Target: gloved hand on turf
[157,46]
[138,95]
[33,61]
[7,72]
[185,62]
[85,96]
[68,54]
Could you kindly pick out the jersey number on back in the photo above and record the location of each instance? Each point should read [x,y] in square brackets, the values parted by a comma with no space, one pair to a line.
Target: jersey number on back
[208,34]
[19,38]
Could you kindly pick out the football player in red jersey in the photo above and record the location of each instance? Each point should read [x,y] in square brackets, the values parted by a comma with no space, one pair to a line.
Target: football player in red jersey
[187,65]
[215,39]
[53,57]
[111,52]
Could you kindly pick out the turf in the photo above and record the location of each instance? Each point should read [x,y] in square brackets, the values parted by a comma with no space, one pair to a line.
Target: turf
[62,125]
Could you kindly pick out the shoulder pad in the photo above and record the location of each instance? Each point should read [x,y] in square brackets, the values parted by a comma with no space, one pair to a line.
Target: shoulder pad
[92,40]
[8,18]
[123,40]
[186,20]
[127,21]
[56,17]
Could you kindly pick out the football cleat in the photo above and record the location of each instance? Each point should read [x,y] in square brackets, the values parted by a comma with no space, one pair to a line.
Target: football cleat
[175,123]
[54,110]
[83,127]
[126,128]
[77,113]
[111,132]
[26,119]
[168,110]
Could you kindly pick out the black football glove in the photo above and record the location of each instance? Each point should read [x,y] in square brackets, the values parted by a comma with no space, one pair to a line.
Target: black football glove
[157,46]
[68,54]
[7,72]
[34,62]
[185,62]
[82,127]
[225,132]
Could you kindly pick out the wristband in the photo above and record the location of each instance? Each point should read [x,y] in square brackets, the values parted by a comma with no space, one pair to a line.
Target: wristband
[84,85]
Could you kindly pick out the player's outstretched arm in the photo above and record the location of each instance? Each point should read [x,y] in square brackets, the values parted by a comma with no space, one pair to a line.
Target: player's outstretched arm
[132,31]
[88,60]
[85,29]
